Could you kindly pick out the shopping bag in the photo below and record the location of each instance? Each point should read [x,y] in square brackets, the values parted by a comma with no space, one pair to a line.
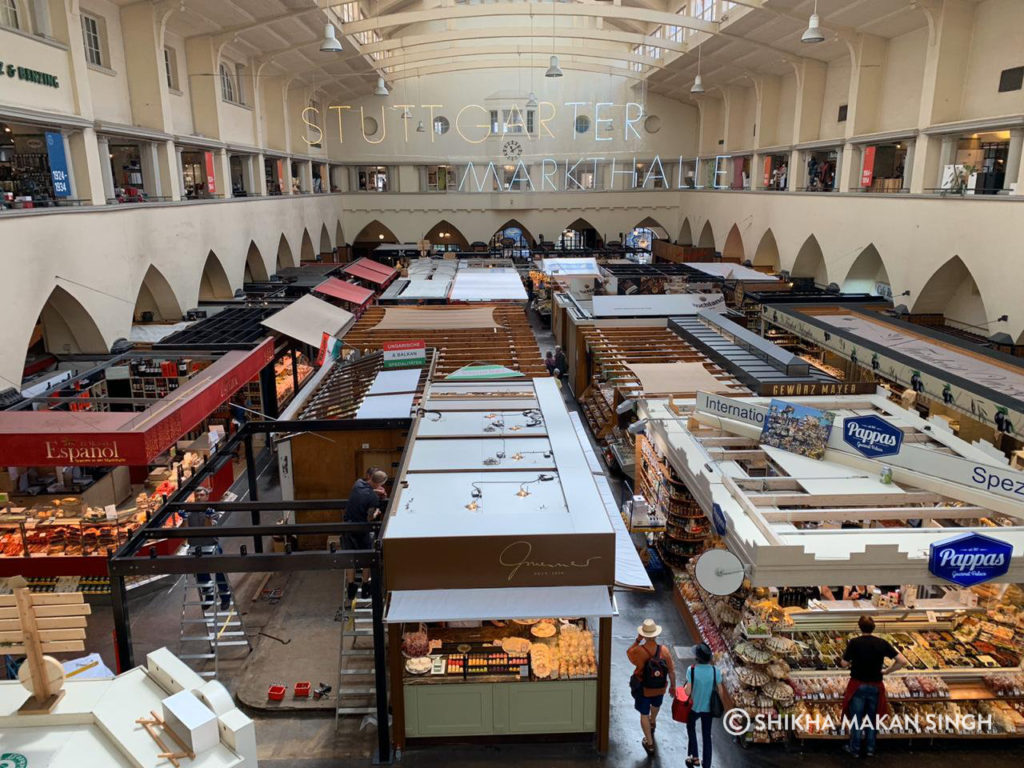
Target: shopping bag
[681,706]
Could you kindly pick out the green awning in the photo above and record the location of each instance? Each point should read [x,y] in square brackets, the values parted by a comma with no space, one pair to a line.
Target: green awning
[483,372]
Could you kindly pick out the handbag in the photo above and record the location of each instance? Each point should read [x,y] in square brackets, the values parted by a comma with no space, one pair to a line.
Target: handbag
[682,705]
[715,708]
[636,686]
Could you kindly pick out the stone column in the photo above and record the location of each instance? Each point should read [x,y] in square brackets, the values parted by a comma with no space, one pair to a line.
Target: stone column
[105,171]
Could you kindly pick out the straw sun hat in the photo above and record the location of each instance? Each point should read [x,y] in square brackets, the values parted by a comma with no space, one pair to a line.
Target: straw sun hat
[649,629]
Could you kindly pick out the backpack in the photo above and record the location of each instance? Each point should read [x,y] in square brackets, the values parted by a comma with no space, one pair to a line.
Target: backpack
[655,671]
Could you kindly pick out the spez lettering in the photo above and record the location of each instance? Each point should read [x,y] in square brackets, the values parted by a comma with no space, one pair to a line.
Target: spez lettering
[991,481]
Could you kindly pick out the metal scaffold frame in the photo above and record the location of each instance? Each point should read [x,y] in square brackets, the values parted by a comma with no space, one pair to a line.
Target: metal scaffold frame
[135,559]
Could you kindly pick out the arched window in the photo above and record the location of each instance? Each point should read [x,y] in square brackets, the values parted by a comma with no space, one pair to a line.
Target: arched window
[640,238]
[227,85]
[9,14]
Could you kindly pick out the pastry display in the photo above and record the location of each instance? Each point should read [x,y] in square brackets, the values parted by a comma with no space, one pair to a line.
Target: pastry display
[515,645]
[420,665]
[415,644]
[543,629]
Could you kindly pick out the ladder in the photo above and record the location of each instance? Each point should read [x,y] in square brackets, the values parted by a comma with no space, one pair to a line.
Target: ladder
[356,691]
[210,623]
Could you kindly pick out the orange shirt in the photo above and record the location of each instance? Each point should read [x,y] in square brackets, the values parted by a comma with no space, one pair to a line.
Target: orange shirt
[639,655]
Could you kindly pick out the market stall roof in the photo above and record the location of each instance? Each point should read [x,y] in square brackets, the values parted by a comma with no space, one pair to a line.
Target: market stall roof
[308,319]
[980,380]
[151,333]
[99,438]
[341,289]
[307,276]
[661,305]
[487,285]
[231,328]
[441,318]
[371,271]
[667,378]
[730,271]
[571,266]
[782,511]
[508,500]
[433,605]
[483,372]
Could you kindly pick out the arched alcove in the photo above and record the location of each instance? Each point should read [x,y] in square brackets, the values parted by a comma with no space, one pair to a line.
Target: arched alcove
[339,234]
[306,252]
[767,253]
[255,268]
[652,224]
[810,262]
[579,234]
[284,254]
[156,301]
[707,236]
[512,228]
[445,234]
[64,327]
[951,291]
[214,283]
[867,270]
[375,232]
[733,250]
[325,242]
[685,233]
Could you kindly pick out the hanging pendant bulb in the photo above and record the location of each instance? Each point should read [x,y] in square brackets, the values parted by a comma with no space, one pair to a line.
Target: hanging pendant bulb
[553,70]
[420,128]
[813,33]
[531,100]
[330,42]
[698,85]
[382,88]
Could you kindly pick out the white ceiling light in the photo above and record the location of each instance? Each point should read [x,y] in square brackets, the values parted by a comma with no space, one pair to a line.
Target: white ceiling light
[406,114]
[553,70]
[698,84]
[381,89]
[813,33]
[330,42]
[531,100]
[420,128]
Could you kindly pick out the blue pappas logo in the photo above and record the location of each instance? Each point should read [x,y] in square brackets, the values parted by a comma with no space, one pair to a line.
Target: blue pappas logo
[970,559]
[872,436]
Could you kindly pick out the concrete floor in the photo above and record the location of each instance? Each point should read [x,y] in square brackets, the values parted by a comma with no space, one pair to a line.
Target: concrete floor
[310,740]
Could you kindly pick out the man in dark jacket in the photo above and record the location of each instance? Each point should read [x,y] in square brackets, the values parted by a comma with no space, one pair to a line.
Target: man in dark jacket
[561,362]
[365,501]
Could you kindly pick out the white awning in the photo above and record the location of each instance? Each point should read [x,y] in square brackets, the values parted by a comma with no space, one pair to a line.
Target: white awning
[308,319]
[660,305]
[487,285]
[430,605]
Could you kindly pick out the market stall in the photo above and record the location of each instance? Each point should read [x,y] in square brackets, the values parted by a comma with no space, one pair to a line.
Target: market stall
[894,517]
[371,272]
[497,522]
[84,478]
[355,298]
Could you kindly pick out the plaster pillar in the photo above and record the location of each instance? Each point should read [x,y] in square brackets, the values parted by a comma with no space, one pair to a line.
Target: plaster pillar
[222,172]
[169,169]
[848,173]
[908,165]
[147,77]
[259,176]
[104,173]
[148,164]
[1013,163]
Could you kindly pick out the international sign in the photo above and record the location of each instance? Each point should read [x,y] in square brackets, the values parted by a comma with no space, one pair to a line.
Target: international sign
[872,436]
[969,559]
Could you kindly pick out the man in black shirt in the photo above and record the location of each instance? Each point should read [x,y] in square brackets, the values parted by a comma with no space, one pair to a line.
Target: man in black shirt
[365,501]
[865,694]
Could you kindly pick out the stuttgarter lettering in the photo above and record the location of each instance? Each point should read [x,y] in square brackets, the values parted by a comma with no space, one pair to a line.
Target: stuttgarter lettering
[508,560]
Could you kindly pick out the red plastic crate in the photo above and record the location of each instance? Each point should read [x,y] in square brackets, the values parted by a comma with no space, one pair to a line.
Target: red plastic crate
[276,692]
[301,690]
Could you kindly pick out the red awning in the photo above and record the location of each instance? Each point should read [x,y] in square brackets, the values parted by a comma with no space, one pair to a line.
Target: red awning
[92,439]
[340,289]
[373,271]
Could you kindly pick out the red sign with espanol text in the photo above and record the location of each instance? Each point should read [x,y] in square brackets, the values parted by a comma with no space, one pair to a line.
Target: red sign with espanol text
[867,174]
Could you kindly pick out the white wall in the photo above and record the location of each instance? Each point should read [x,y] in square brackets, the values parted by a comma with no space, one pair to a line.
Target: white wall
[837,92]
[997,44]
[110,98]
[787,104]
[23,51]
[181,103]
[900,97]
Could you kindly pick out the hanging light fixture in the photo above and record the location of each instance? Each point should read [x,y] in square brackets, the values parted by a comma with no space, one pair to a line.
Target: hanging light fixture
[813,33]
[330,42]
[420,128]
[382,88]
[553,69]
[698,84]
[531,100]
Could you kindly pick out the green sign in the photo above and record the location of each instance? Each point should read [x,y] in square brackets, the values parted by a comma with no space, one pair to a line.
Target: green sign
[13,760]
[29,76]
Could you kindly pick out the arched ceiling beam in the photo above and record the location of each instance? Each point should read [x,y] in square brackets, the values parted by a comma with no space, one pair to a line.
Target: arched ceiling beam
[580,66]
[504,33]
[538,10]
[589,52]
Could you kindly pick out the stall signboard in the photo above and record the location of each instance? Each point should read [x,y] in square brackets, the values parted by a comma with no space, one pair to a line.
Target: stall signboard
[969,559]
[731,408]
[58,164]
[401,353]
[867,173]
[211,179]
[13,71]
[872,436]
[797,428]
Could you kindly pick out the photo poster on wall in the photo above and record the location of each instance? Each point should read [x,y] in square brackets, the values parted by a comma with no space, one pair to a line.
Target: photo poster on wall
[797,429]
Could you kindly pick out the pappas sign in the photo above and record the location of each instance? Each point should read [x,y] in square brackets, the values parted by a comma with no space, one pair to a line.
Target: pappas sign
[969,559]
[872,436]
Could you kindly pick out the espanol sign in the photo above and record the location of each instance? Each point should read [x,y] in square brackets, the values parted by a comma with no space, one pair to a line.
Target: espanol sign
[969,559]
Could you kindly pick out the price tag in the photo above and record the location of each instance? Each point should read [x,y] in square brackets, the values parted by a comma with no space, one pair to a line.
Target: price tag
[111,511]
[932,618]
